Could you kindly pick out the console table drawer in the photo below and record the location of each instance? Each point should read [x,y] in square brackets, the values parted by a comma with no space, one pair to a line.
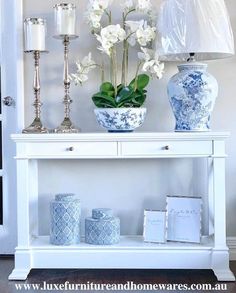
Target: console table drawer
[166,148]
[70,149]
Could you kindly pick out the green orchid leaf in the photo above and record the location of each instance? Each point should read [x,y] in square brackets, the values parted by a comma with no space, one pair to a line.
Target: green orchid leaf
[132,96]
[139,100]
[140,82]
[125,94]
[107,87]
[103,101]
[136,100]
[110,94]
[119,88]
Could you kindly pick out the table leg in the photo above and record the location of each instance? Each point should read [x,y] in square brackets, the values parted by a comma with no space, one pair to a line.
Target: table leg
[220,254]
[27,180]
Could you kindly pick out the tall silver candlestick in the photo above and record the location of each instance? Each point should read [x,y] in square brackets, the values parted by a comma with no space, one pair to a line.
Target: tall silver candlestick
[36,126]
[66,125]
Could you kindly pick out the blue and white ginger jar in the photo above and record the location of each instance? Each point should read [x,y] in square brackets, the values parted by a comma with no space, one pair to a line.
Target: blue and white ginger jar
[102,228]
[65,220]
[192,93]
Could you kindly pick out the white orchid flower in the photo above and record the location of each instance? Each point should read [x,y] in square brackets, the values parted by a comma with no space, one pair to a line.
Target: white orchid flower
[151,63]
[146,54]
[140,31]
[94,19]
[95,11]
[113,33]
[78,78]
[110,35]
[145,34]
[99,4]
[128,4]
[134,25]
[94,5]
[156,69]
[144,6]
[83,69]
[159,70]
[105,45]
[87,63]
[148,66]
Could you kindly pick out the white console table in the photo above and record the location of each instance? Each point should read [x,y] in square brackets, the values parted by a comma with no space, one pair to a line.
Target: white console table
[34,251]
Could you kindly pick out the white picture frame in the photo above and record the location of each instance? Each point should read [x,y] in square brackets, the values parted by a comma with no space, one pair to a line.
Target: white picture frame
[184,219]
[154,228]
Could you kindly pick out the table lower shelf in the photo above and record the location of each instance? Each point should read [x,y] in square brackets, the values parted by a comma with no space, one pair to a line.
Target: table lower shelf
[131,253]
[126,243]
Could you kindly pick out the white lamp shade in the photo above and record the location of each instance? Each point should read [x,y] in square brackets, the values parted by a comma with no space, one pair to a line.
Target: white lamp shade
[194,26]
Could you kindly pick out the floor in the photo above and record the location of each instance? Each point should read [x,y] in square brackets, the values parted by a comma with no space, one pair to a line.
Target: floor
[110,276]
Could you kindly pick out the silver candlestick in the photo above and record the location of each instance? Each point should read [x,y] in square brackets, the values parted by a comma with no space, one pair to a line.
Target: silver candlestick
[66,125]
[36,126]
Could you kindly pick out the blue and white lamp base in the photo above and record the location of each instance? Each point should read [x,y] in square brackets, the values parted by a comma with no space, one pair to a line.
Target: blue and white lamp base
[192,93]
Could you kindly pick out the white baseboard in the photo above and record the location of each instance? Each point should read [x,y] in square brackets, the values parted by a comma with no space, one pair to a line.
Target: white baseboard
[231,242]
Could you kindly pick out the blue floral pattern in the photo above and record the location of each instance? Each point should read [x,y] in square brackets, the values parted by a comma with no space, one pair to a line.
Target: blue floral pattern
[120,119]
[192,94]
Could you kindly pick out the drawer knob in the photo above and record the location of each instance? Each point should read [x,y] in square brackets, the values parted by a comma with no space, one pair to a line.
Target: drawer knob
[166,148]
[70,149]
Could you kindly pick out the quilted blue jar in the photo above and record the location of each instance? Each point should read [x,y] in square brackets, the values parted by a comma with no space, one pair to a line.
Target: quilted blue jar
[102,228]
[65,220]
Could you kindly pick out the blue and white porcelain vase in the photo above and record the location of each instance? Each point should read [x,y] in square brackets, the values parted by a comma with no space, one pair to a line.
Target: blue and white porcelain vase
[102,228]
[65,220]
[192,93]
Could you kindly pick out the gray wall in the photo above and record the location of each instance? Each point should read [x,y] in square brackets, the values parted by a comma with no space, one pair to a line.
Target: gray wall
[126,189]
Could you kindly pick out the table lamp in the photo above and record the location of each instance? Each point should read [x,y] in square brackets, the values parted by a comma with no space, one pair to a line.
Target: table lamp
[191,31]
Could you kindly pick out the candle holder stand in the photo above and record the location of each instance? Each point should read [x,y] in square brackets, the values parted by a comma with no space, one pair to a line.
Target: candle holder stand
[36,126]
[66,126]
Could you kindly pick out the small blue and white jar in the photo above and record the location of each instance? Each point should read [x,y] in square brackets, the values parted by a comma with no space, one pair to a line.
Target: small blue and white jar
[65,220]
[102,228]
[192,93]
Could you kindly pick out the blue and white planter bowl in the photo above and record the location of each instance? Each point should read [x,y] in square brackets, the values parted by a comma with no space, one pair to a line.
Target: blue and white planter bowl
[192,93]
[120,119]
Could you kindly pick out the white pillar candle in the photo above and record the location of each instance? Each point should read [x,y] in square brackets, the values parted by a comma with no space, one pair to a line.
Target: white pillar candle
[65,19]
[35,33]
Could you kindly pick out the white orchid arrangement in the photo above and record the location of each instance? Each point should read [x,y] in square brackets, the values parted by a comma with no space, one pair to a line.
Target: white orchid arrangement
[131,33]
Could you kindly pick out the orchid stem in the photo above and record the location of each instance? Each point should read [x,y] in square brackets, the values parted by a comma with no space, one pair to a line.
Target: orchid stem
[103,71]
[136,75]
[114,69]
[123,80]
[125,60]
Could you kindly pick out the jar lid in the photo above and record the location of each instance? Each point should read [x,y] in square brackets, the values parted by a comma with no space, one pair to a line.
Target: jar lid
[102,213]
[66,197]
